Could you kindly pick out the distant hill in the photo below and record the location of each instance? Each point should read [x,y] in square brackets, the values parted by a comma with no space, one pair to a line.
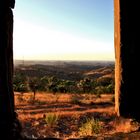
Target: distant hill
[106,71]
[61,63]
[67,70]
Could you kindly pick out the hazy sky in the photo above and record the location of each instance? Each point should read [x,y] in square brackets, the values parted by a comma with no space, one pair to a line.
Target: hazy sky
[64,29]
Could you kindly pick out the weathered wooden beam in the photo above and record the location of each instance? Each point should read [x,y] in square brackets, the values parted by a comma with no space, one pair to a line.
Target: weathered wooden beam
[7,4]
[127,55]
[8,119]
[117,45]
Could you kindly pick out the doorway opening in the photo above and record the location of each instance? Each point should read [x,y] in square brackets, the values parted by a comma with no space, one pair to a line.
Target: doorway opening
[64,94]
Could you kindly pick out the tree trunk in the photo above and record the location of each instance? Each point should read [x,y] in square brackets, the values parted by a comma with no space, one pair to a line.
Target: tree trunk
[34,95]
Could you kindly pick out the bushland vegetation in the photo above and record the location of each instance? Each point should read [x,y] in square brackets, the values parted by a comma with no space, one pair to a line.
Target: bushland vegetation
[71,99]
[96,79]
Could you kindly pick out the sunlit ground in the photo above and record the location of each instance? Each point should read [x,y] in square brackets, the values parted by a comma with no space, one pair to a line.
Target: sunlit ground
[72,111]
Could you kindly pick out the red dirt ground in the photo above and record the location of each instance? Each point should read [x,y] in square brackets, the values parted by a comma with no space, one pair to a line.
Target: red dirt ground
[72,111]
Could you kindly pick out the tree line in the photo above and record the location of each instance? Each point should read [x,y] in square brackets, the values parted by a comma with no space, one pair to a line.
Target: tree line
[23,83]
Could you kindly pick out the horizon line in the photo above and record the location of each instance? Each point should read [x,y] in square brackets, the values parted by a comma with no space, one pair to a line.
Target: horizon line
[57,60]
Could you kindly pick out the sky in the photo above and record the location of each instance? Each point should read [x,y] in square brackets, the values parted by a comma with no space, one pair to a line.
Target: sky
[64,30]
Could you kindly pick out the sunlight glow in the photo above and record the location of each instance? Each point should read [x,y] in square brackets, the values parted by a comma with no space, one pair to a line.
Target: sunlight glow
[35,42]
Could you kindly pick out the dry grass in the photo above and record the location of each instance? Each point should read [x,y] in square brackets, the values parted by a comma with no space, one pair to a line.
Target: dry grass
[71,115]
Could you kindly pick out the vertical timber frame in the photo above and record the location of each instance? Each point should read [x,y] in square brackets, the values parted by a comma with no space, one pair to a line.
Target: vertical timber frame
[117,43]
[127,72]
[8,120]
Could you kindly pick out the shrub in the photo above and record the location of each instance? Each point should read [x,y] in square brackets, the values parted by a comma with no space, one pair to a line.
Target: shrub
[31,99]
[98,95]
[90,127]
[20,97]
[51,119]
[99,90]
[75,100]
[113,98]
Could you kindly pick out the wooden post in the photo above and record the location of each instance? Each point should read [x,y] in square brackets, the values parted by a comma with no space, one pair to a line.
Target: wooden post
[8,118]
[118,65]
[127,72]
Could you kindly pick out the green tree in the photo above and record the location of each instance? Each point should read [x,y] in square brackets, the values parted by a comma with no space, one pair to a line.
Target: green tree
[20,83]
[34,85]
[63,86]
[104,81]
[23,88]
[52,84]
[110,88]
[44,81]
[85,85]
